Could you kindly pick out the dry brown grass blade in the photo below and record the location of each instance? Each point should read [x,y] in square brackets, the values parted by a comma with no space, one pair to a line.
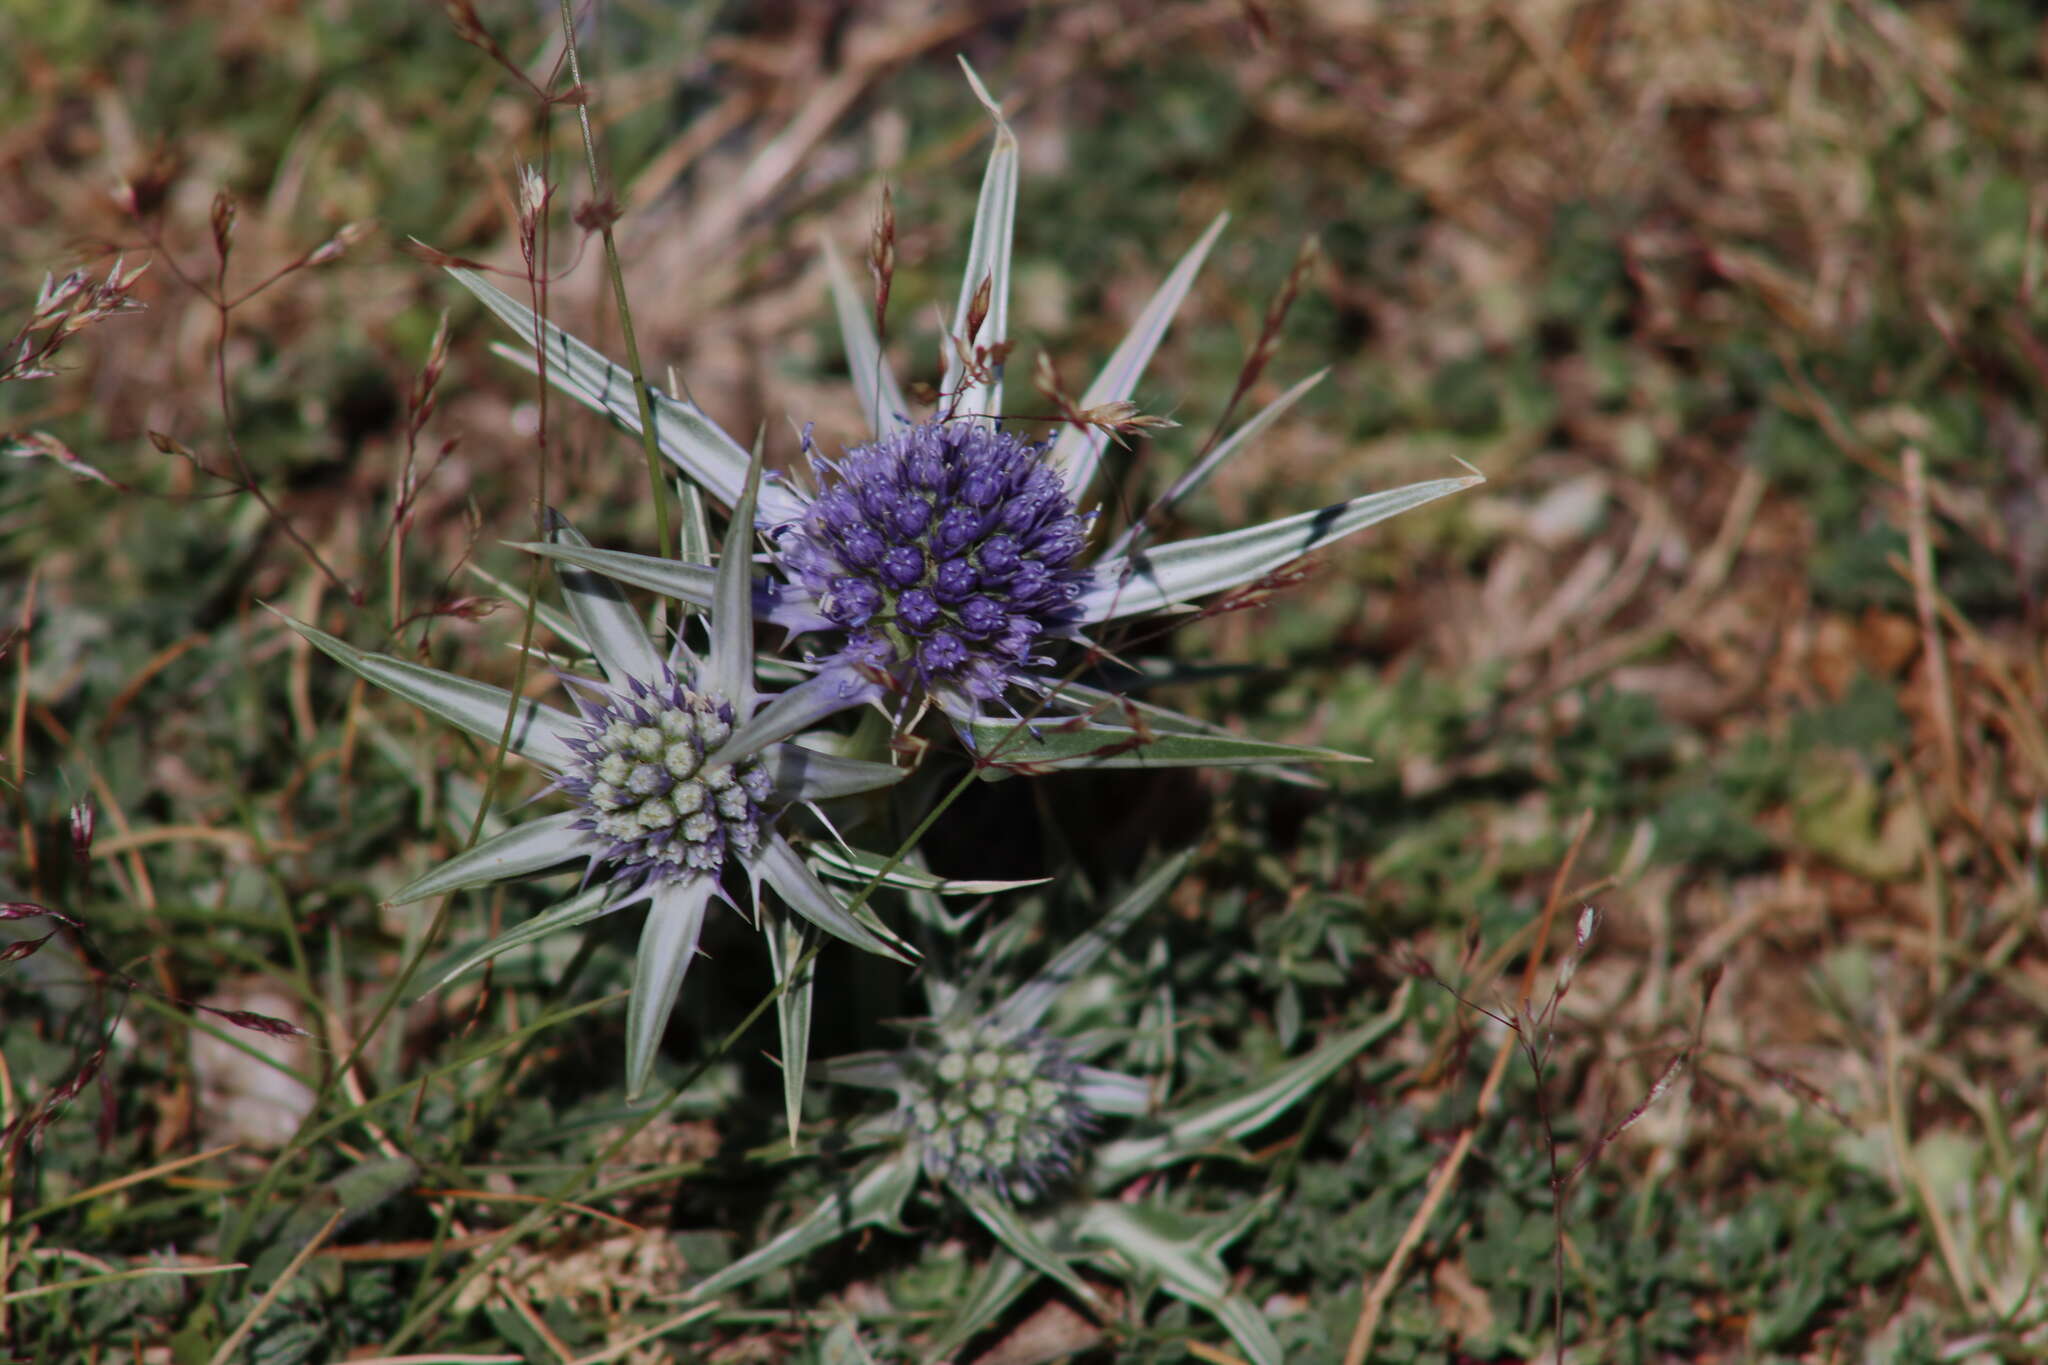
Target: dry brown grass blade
[87,1195]
[1214,1355]
[1920,550]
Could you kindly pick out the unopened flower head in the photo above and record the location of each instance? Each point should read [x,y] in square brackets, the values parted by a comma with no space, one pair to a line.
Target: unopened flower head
[998,1109]
[655,806]
[947,548]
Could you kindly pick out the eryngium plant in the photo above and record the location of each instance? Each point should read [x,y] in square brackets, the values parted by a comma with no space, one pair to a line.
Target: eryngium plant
[675,769]
[945,555]
[996,1106]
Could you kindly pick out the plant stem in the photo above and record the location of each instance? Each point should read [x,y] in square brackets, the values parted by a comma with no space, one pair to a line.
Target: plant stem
[611,257]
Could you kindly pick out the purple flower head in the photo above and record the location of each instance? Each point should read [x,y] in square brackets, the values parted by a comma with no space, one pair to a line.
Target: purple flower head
[654,808]
[945,550]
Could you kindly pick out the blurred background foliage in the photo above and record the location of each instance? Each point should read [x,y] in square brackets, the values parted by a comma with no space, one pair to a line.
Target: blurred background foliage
[1734,304]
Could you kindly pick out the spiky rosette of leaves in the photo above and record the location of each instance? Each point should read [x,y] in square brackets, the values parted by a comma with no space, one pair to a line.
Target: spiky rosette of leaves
[676,769]
[1062,1194]
[898,625]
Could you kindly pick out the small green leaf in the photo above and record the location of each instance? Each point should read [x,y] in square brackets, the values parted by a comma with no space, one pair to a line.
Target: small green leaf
[995,1288]
[555,619]
[1183,1254]
[1027,1005]
[729,670]
[1112,1092]
[805,774]
[1236,442]
[801,707]
[1198,1128]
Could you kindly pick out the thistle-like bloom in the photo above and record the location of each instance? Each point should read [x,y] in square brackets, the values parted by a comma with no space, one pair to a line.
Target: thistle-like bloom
[908,550]
[648,790]
[945,550]
[676,772]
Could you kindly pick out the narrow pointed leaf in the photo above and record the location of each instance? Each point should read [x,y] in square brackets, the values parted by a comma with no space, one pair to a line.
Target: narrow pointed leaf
[693,527]
[787,938]
[1027,1005]
[1248,1326]
[604,616]
[1113,1092]
[537,731]
[805,894]
[692,583]
[1230,446]
[799,708]
[861,867]
[1154,717]
[519,852]
[1078,451]
[730,669]
[1047,745]
[1234,1116]
[668,945]
[1183,1256]
[988,261]
[875,1200]
[1187,569]
[1162,1246]
[1024,1241]
[995,1288]
[884,1070]
[689,438]
[591,903]
[873,380]
[802,774]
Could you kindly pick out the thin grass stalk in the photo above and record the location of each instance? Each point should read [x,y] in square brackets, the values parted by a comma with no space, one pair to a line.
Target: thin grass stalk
[618,278]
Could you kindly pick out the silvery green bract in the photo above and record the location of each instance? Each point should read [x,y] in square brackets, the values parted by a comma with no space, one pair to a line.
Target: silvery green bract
[1026,1156]
[945,554]
[675,768]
